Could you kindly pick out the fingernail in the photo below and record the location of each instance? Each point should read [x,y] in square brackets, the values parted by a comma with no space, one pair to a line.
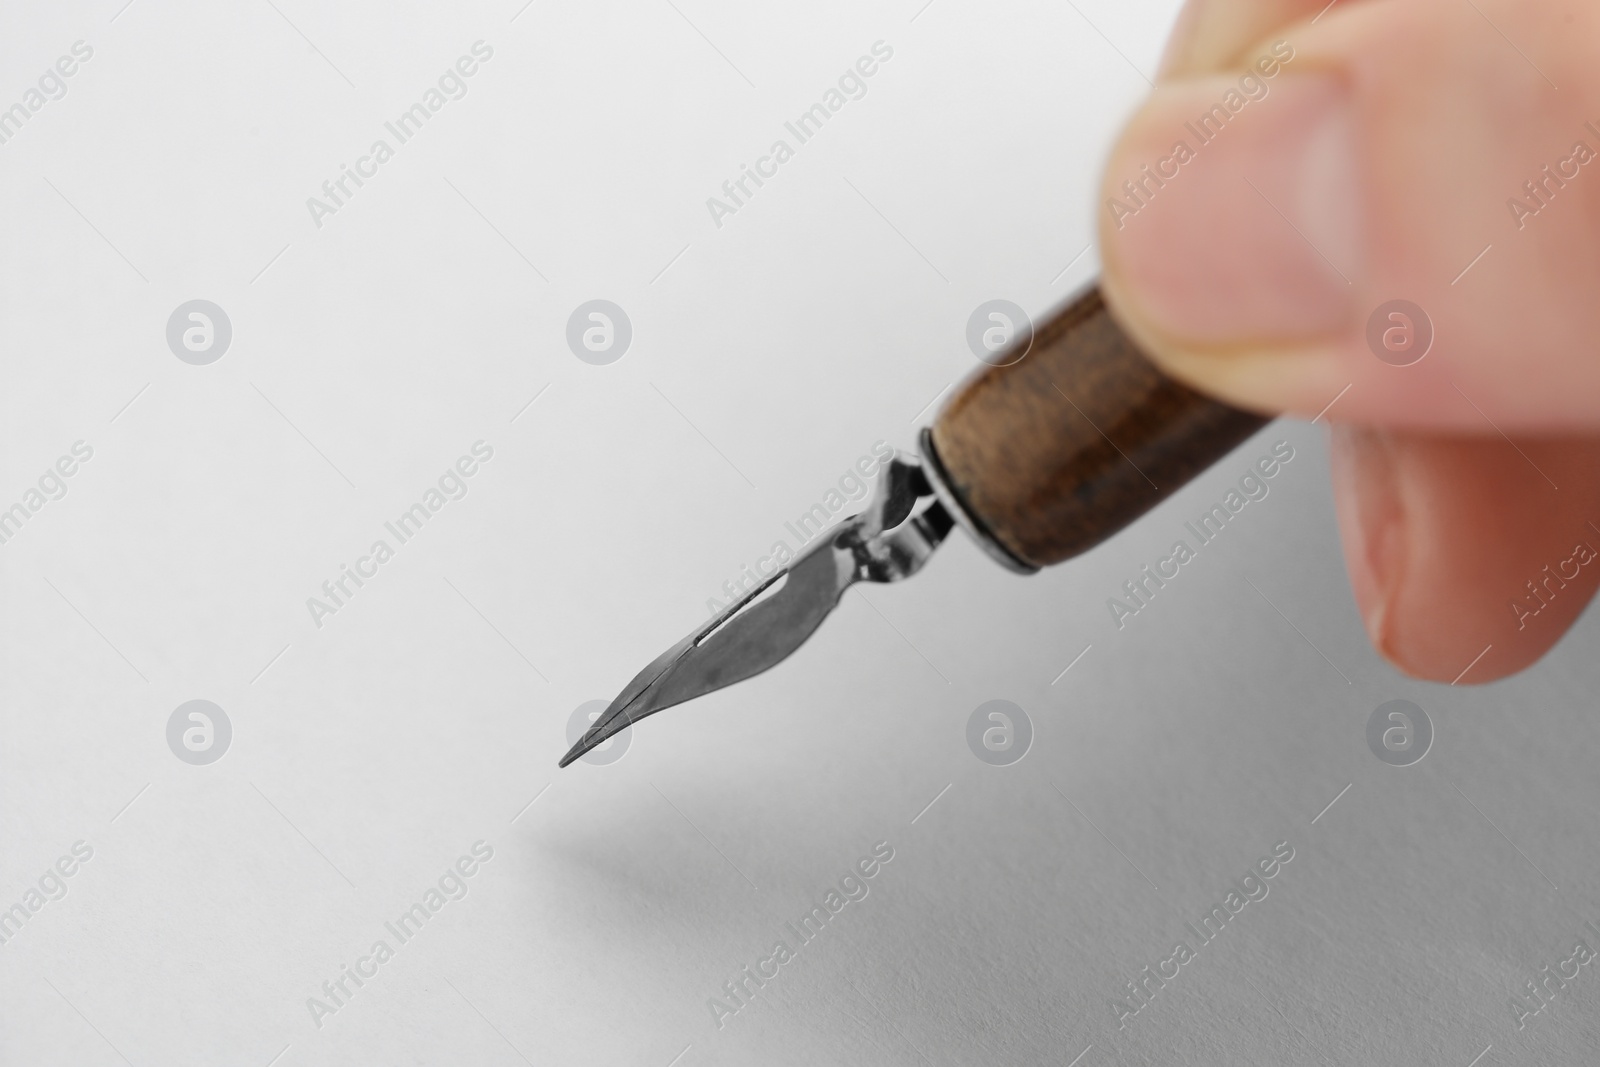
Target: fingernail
[1371,523]
[1231,213]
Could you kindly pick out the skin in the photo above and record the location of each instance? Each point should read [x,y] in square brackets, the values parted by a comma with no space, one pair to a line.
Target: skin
[1378,163]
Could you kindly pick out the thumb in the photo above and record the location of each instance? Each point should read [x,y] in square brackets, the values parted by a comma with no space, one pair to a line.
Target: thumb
[1257,225]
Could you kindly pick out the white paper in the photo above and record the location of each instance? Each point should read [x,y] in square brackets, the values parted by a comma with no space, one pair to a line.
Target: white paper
[374,742]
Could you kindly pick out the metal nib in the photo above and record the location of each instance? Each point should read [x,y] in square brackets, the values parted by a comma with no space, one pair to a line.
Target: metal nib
[888,541]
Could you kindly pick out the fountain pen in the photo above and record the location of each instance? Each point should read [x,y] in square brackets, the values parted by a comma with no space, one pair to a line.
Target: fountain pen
[1060,440]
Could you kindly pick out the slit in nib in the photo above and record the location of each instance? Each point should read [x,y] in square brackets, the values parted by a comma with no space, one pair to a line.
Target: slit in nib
[593,737]
[585,743]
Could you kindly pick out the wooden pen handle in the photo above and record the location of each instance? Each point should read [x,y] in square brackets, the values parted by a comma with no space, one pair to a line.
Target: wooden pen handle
[1056,452]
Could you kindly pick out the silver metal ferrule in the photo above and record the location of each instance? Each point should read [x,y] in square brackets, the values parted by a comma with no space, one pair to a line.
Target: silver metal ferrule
[934,471]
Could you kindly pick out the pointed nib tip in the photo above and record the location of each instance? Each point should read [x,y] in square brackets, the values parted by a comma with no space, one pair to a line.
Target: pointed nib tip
[593,737]
[605,728]
[576,752]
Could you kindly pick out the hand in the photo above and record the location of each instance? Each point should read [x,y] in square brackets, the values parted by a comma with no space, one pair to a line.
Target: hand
[1366,155]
